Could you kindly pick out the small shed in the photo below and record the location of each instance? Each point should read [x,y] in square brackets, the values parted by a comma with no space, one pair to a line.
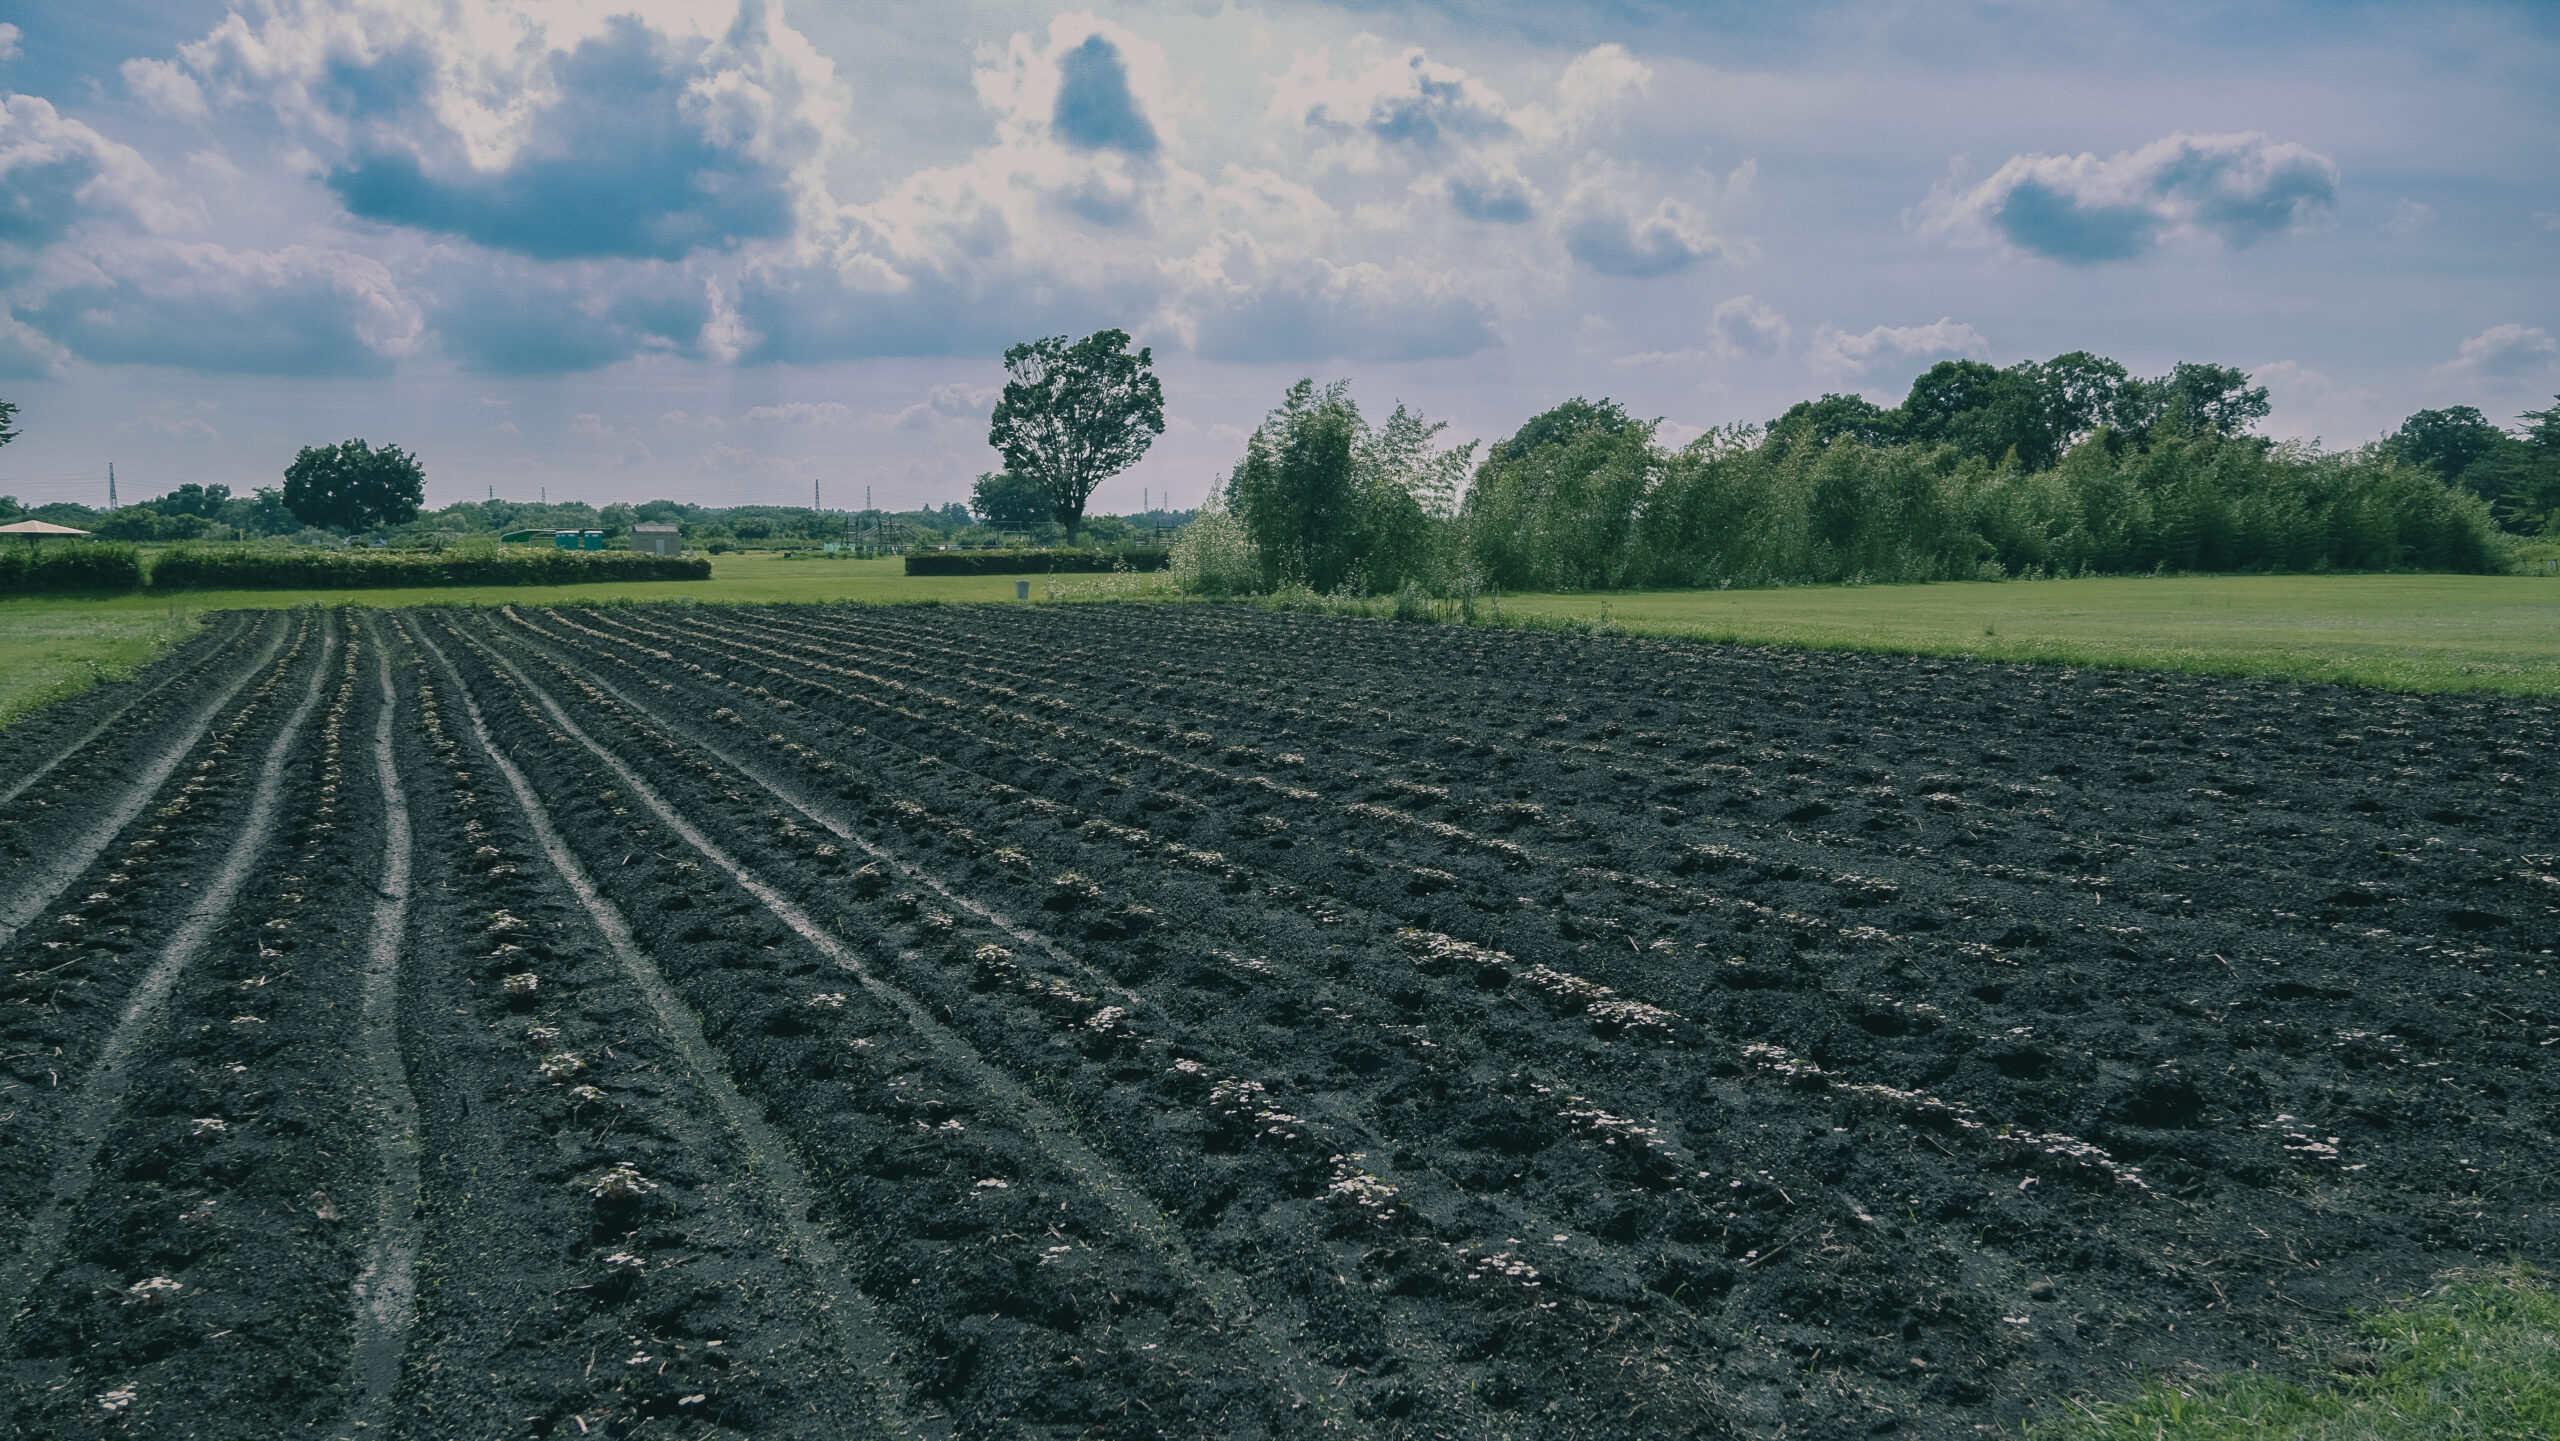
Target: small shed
[578,539]
[651,538]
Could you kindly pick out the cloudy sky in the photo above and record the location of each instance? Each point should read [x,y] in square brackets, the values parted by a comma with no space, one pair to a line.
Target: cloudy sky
[721,250]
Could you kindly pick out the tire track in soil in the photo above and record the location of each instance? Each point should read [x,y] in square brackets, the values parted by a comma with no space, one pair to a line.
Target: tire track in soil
[789,1197]
[386,1289]
[192,666]
[102,1089]
[42,884]
[1224,1289]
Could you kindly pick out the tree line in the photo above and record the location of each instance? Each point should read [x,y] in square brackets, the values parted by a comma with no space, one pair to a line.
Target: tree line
[2071,466]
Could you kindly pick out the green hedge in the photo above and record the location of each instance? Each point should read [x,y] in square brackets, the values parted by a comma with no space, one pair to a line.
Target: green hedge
[1034,562]
[386,569]
[68,565]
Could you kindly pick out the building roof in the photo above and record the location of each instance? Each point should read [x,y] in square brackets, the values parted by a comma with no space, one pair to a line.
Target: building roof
[654,528]
[39,527]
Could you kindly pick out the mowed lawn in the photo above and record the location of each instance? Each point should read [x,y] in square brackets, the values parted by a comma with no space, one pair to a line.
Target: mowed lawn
[2410,632]
[2402,632]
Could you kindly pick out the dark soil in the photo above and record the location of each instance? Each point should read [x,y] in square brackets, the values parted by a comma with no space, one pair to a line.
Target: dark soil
[1199,1021]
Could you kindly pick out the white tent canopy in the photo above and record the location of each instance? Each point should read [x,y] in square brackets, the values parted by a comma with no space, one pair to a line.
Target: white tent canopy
[38,529]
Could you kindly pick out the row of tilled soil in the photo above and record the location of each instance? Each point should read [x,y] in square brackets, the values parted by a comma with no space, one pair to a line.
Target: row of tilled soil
[834,1021]
[2026,1002]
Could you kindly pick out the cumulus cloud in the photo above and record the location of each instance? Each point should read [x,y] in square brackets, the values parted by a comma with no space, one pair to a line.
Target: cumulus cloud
[1095,109]
[1837,353]
[1746,328]
[9,35]
[1607,225]
[164,86]
[2083,210]
[1243,302]
[799,412]
[2505,352]
[556,131]
[300,310]
[1404,100]
[194,429]
[58,175]
[512,319]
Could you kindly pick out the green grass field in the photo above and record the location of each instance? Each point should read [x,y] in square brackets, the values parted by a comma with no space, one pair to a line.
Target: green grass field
[2409,632]
[2478,1359]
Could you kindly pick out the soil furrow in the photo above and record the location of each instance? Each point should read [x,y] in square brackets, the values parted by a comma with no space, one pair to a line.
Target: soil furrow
[103,1086]
[787,1195]
[33,888]
[132,699]
[1225,1290]
[386,1289]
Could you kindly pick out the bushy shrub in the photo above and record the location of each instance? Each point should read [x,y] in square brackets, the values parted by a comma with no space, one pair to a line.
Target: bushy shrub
[1034,562]
[1214,557]
[70,565]
[300,569]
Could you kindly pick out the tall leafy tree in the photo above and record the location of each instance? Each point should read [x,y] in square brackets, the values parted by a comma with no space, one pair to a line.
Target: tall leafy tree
[1838,417]
[1075,414]
[194,499]
[351,486]
[1003,498]
[1570,421]
[8,419]
[1297,489]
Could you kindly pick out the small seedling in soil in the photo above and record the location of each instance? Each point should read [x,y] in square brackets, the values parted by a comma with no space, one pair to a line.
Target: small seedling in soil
[210,1126]
[827,1001]
[621,1183]
[586,1095]
[561,1067]
[522,985]
[152,1292]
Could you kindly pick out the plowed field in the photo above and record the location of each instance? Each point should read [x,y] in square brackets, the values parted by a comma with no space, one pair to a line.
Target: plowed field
[1197,1021]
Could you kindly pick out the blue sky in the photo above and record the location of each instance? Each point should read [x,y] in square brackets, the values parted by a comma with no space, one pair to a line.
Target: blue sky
[719,251]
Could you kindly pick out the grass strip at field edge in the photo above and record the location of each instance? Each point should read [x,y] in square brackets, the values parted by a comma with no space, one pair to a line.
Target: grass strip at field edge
[2477,1359]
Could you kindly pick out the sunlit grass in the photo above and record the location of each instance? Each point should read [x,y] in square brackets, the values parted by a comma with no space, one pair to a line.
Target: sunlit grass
[2475,1360]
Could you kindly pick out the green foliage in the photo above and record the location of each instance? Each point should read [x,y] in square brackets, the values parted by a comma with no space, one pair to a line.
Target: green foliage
[205,501]
[1327,501]
[2446,441]
[1033,562]
[352,486]
[1559,516]
[74,565]
[1074,415]
[1213,556]
[1576,417]
[1001,497]
[2477,1360]
[8,416]
[388,569]
[1838,417]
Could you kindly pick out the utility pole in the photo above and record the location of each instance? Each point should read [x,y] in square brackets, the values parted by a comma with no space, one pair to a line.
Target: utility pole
[814,502]
[111,485]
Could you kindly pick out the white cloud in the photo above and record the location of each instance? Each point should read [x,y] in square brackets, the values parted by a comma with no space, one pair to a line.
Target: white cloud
[1387,103]
[798,412]
[2082,210]
[194,429]
[685,420]
[2310,404]
[1598,83]
[9,48]
[590,425]
[1747,328]
[164,86]
[1607,225]
[1837,353]
[2505,352]
[555,131]
[2408,217]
